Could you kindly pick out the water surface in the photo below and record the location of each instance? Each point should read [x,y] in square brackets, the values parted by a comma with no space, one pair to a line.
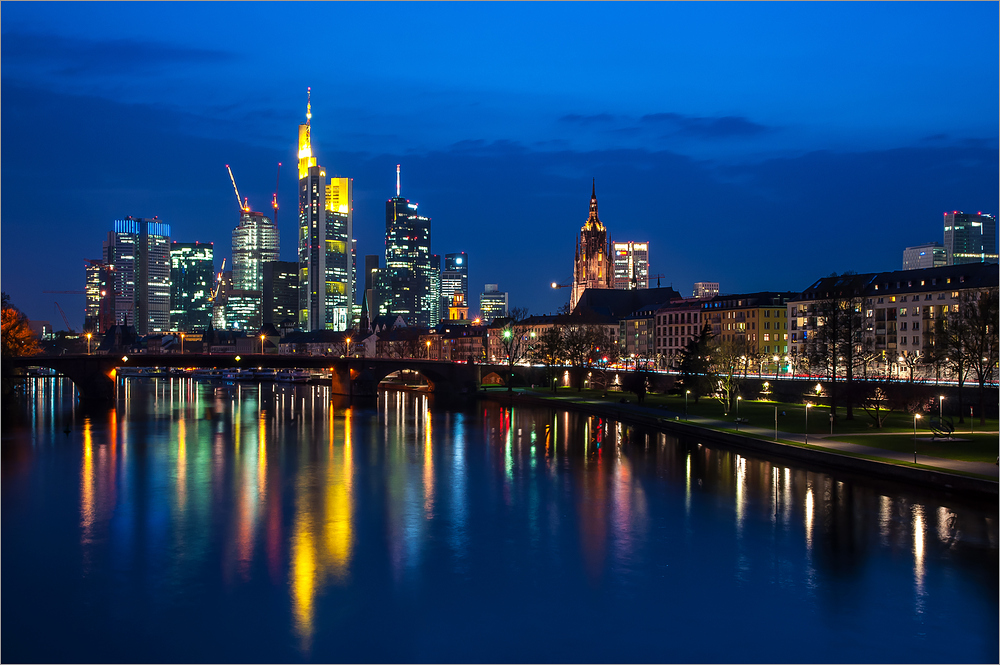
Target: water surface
[251,523]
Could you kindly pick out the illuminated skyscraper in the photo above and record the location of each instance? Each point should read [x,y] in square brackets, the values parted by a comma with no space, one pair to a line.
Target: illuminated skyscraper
[281,292]
[929,255]
[454,281]
[99,313]
[192,273]
[326,220]
[255,242]
[970,237]
[405,286]
[592,268]
[492,303]
[631,260]
[139,252]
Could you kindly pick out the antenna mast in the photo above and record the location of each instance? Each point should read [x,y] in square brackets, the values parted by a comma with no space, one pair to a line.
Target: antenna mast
[274,199]
[397,181]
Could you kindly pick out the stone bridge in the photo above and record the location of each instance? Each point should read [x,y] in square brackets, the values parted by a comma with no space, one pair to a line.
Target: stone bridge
[95,377]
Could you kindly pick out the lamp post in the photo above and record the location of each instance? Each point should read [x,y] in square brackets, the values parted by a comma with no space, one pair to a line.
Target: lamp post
[916,416]
[777,367]
[182,344]
[347,346]
[262,344]
[808,404]
[89,335]
[941,409]
[686,393]
[738,398]
[428,349]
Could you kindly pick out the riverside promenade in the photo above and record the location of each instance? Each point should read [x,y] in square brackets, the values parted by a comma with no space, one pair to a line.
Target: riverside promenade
[979,477]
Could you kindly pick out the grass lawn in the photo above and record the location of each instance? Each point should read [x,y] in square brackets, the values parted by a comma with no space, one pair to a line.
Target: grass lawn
[761,414]
[978,447]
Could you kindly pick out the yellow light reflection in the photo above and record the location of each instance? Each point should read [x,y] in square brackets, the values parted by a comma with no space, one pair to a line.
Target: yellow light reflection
[810,504]
[428,468]
[918,551]
[181,463]
[87,483]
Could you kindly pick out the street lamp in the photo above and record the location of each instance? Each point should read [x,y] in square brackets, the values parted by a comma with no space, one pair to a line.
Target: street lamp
[916,416]
[347,347]
[686,393]
[262,344]
[182,344]
[808,404]
[777,367]
[428,349]
[89,335]
[738,398]
[941,409]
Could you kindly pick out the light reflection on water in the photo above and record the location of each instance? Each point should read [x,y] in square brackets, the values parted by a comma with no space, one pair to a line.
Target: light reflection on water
[321,524]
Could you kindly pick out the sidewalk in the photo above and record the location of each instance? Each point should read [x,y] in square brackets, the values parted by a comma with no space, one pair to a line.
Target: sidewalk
[825,441]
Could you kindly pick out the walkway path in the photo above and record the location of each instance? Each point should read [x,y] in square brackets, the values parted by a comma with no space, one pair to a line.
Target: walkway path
[822,440]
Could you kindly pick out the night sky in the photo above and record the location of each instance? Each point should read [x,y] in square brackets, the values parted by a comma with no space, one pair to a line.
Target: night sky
[758,145]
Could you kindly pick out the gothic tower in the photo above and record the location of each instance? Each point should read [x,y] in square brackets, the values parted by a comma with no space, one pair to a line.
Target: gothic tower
[592,268]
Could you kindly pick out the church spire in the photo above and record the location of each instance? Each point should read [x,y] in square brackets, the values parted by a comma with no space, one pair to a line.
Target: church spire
[593,221]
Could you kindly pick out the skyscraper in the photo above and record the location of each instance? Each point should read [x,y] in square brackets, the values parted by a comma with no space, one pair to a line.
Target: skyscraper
[139,251]
[454,281]
[405,284]
[326,221]
[280,295]
[592,268]
[970,237]
[255,242]
[192,273]
[929,255]
[99,314]
[631,260]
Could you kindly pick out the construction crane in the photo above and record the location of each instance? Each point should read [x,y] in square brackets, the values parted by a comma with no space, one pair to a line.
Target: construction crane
[218,281]
[69,328]
[72,293]
[241,202]
[274,199]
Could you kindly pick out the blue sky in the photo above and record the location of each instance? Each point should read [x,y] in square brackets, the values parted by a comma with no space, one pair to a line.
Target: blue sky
[760,145]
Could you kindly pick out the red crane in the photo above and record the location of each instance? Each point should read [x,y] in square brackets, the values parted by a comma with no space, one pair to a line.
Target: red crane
[65,320]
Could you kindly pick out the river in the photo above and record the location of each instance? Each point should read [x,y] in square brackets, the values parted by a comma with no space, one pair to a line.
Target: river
[268,522]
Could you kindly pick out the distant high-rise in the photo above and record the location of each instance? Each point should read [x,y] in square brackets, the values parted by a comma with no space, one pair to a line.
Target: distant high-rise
[493,303]
[326,228]
[223,287]
[435,286]
[454,280]
[592,268]
[631,261]
[192,273]
[405,284]
[99,314]
[970,237]
[280,296]
[706,289]
[929,255]
[139,251]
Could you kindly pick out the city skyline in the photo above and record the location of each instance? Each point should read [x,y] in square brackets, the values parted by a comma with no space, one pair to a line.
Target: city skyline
[803,154]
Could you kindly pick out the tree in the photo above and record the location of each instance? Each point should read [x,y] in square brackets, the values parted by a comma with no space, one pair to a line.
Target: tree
[605,354]
[729,366]
[514,341]
[979,310]
[839,339]
[17,337]
[951,338]
[548,350]
[695,364]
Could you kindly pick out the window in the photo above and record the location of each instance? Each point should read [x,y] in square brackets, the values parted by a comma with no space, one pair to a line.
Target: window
[954,294]
[902,311]
[767,325]
[902,340]
[767,337]
[902,326]
[903,299]
[767,313]
[892,299]
[916,341]
[927,297]
[916,325]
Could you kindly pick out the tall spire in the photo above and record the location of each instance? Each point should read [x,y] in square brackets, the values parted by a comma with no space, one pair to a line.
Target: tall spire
[397,181]
[306,158]
[593,221]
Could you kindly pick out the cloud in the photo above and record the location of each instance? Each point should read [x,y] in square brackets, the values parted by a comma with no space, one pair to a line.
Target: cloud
[597,119]
[729,126]
[72,56]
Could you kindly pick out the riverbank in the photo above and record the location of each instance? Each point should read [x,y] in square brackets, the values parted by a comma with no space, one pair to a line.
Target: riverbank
[977,478]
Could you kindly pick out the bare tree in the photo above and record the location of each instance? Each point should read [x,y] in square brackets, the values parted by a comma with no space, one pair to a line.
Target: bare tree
[728,366]
[979,310]
[515,341]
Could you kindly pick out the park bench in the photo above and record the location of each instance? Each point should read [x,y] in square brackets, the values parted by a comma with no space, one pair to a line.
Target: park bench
[942,429]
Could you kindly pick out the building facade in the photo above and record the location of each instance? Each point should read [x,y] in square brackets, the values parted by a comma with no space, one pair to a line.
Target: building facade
[970,237]
[631,264]
[405,285]
[592,267]
[677,324]
[706,290]
[929,255]
[454,281]
[138,251]
[280,294]
[493,303]
[192,274]
[758,321]
[326,227]
[99,311]
[255,242]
